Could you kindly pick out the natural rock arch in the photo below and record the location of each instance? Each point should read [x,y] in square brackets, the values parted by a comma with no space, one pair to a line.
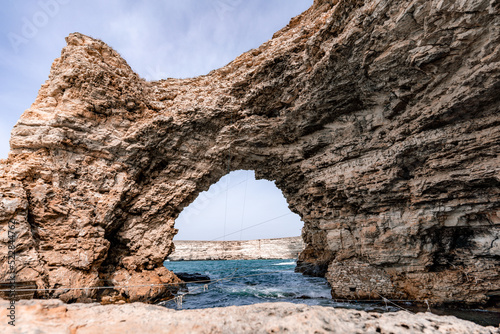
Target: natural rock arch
[377,119]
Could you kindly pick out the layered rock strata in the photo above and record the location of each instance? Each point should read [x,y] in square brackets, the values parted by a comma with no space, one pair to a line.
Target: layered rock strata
[52,316]
[280,248]
[378,119]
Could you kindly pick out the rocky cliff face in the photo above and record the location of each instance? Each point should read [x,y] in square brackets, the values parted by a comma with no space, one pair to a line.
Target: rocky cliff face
[378,119]
[281,248]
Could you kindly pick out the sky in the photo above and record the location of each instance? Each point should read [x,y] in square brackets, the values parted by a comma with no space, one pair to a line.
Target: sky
[159,39]
[238,207]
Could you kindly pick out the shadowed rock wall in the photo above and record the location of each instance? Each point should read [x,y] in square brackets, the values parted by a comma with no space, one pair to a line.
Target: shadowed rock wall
[378,119]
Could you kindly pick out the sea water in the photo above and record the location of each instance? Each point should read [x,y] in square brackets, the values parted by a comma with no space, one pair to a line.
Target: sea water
[245,282]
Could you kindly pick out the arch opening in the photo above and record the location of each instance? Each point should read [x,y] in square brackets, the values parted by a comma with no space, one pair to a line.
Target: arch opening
[233,213]
[238,207]
[241,236]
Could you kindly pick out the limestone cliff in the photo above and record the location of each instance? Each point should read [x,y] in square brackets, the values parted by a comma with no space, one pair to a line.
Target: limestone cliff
[378,119]
[280,248]
[52,316]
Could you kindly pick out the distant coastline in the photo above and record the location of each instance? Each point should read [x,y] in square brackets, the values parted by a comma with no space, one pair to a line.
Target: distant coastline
[278,248]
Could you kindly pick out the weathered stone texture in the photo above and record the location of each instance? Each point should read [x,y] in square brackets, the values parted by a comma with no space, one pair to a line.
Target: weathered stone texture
[52,316]
[280,248]
[378,119]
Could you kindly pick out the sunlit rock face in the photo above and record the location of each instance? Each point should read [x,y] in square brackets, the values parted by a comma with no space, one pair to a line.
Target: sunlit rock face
[378,119]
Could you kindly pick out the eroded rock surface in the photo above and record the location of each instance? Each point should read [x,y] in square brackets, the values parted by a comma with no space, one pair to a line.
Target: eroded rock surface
[54,317]
[378,119]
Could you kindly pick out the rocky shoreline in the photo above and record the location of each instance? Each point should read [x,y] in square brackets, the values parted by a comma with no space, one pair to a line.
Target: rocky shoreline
[277,248]
[53,316]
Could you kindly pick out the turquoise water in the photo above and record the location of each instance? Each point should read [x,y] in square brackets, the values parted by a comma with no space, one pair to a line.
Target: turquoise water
[245,282]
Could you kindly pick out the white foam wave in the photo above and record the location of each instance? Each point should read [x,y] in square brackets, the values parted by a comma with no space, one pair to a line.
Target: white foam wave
[285,263]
